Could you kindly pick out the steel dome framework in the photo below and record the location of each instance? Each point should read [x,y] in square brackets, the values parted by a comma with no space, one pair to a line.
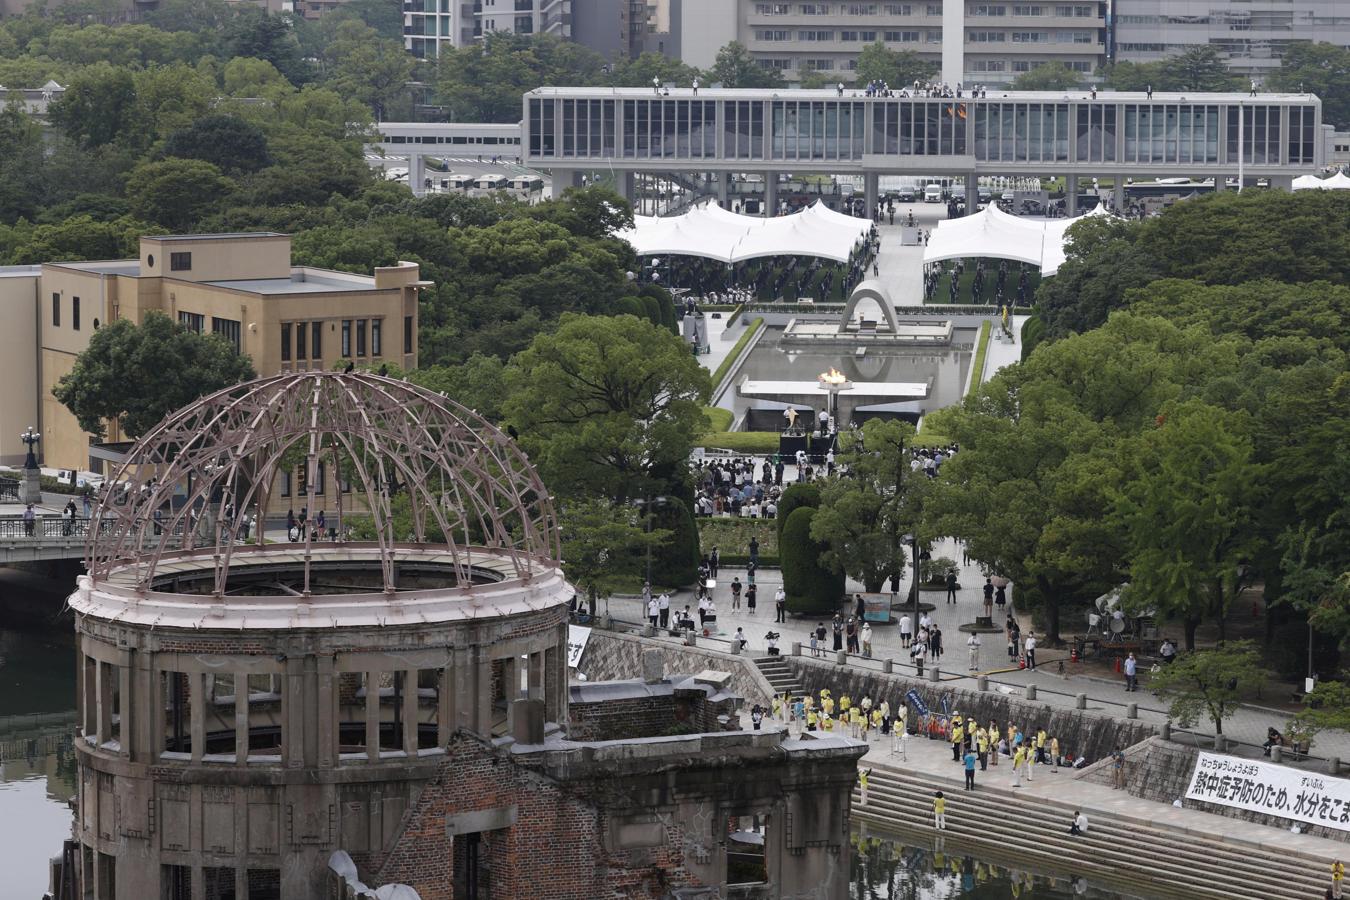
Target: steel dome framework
[423,471]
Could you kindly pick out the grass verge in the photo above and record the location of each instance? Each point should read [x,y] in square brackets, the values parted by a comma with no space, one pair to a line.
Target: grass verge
[721,371]
[981,351]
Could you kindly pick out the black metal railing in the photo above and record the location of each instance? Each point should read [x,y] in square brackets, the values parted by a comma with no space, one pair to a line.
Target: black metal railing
[9,489]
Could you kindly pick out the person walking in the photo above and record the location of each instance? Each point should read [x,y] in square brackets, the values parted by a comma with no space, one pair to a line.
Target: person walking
[939,811]
[973,646]
[1131,673]
[1117,769]
[780,605]
[969,759]
[1030,647]
[951,586]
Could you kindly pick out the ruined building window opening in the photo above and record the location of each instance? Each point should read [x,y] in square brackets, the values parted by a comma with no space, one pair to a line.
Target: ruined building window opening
[175,882]
[218,883]
[747,864]
[428,708]
[264,884]
[351,718]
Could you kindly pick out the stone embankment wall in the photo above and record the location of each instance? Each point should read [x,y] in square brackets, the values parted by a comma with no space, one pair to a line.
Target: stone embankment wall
[1083,734]
[613,656]
[1161,770]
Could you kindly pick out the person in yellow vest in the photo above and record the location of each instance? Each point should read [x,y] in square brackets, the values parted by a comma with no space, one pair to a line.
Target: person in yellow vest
[982,747]
[777,705]
[958,737]
[939,811]
[1337,876]
[809,702]
[844,703]
[827,705]
[993,742]
[877,720]
[811,719]
[1054,754]
[829,724]
[1040,747]
[1019,757]
[862,785]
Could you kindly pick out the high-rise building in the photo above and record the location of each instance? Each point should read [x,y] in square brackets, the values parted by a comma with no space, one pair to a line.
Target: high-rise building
[429,26]
[997,41]
[1251,35]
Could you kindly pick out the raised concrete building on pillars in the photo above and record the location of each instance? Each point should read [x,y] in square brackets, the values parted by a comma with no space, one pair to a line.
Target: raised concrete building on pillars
[263,719]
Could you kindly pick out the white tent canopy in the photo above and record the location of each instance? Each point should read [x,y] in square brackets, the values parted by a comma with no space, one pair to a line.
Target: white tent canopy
[994,233]
[714,233]
[1338,182]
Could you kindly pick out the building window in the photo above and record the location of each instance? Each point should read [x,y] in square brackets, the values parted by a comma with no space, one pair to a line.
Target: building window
[285,341]
[360,337]
[180,262]
[228,329]
[376,337]
[285,484]
[407,334]
[346,338]
[316,337]
[192,321]
[301,339]
[75,313]
[56,310]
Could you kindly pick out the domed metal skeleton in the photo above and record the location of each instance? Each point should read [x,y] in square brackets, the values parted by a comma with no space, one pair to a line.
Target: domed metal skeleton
[424,473]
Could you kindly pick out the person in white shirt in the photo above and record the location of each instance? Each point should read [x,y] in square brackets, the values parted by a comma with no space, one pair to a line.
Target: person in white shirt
[906,630]
[740,639]
[1030,648]
[1079,825]
[653,611]
[973,644]
[867,640]
[926,622]
[663,606]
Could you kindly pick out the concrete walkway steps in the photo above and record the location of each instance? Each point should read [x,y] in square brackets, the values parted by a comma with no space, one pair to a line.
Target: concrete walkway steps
[780,676]
[1182,864]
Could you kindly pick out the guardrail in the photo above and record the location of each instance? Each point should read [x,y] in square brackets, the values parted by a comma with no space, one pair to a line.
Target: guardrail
[9,489]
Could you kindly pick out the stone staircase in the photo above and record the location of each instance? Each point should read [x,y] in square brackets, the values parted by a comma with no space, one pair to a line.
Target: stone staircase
[1164,861]
[780,675]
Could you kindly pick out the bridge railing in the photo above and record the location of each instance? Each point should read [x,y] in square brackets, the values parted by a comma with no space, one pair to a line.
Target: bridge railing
[9,489]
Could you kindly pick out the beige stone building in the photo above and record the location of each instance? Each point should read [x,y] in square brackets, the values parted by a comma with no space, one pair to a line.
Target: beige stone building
[239,286]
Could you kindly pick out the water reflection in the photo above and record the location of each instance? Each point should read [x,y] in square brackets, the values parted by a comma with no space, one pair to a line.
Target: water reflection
[897,867]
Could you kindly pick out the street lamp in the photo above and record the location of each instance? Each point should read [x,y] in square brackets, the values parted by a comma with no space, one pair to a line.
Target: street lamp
[30,438]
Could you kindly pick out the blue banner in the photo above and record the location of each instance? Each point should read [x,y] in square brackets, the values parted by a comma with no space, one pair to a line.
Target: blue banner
[916,701]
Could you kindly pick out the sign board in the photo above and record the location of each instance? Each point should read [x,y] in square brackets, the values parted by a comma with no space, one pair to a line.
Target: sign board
[916,701]
[877,608]
[1275,790]
[577,636]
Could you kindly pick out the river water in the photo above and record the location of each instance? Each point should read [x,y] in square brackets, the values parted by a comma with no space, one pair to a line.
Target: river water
[37,780]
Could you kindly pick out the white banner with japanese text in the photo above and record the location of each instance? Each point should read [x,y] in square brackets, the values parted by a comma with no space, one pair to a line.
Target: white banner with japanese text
[577,637]
[1276,790]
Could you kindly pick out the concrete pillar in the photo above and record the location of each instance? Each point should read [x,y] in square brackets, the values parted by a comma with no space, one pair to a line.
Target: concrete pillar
[796,648]
[972,193]
[197,720]
[89,683]
[562,180]
[103,719]
[327,691]
[482,696]
[1132,711]
[373,716]
[1080,702]
[935,674]
[536,675]
[771,193]
[841,658]
[871,192]
[1071,195]
[240,718]
[623,184]
[1277,754]
[953,43]
[982,683]
[887,666]
[1031,692]
[410,712]
[724,189]
[445,713]
[1334,765]
[1118,193]
[417,173]
[1166,733]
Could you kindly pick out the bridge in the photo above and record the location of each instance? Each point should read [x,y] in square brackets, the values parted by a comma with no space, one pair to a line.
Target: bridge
[46,537]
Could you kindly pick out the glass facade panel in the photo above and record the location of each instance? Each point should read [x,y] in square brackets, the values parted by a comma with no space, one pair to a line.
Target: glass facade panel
[817,129]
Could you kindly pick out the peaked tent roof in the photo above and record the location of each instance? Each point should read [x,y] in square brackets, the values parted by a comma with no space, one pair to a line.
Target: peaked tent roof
[712,232]
[994,233]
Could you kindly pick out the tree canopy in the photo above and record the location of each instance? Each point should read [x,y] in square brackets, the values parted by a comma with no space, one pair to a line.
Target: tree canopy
[138,374]
[1055,76]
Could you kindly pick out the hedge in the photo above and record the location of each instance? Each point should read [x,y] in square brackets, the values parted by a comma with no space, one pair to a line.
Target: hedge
[981,351]
[731,536]
[760,443]
[675,563]
[811,589]
[803,494]
[722,370]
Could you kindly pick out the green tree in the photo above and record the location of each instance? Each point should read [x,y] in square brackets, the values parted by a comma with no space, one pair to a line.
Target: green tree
[898,68]
[865,513]
[176,193]
[810,586]
[1052,76]
[1209,683]
[227,142]
[97,107]
[375,70]
[251,32]
[675,558]
[21,145]
[734,67]
[1200,68]
[1319,68]
[604,404]
[479,383]
[604,546]
[139,374]
[1133,76]
[806,493]
[484,82]
[640,70]
[1189,512]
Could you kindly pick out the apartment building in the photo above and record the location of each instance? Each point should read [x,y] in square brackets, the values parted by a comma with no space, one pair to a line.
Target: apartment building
[975,42]
[239,286]
[1252,35]
[430,26]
